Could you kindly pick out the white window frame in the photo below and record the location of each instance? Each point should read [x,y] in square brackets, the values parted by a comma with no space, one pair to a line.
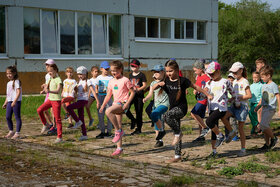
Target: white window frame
[58,55]
[172,30]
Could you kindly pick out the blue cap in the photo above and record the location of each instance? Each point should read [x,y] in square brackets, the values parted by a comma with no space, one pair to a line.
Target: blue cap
[158,67]
[105,65]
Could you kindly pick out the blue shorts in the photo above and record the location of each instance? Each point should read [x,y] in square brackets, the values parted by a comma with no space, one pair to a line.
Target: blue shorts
[239,113]
[199,109]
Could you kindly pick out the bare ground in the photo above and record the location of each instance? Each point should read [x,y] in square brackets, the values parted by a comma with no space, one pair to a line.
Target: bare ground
[35,160]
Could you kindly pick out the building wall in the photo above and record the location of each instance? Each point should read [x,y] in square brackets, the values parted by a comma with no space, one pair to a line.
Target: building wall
[150,52]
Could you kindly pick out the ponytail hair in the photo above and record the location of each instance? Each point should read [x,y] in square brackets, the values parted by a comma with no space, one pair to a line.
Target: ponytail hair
[171,63]
[244,73]
[13,70]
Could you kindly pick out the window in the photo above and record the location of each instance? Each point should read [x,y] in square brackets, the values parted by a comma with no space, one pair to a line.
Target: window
[201,30]
[84,33]
[179,29]
[189,30]
[114,35]
[49,31]
[99,30]
[165,28]
[140,27]
[2,30]
[169,30]
[152,27]
[67,32]
[31,19]
[71,33]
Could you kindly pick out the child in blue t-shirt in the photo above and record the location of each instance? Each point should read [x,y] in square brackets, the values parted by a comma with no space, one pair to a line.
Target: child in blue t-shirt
[256,90]
[268,102]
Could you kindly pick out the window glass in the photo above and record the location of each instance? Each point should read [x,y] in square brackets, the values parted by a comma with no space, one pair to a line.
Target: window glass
[84,33]
[179,29]
[140,27]
[201,30]
[49,31]
[2,30]
[114,35]
[189,30]
[152,27]
[99,34]
[67,32]
[31,18]
[165,28]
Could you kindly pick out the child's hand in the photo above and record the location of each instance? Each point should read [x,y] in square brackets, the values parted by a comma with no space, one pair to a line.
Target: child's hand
[144,100]
[162,83]
[13,104]
[125,106]
[101,109]
[4,106]
[257,108]
[210,97]
[194,92]
[42,92]
[97,105]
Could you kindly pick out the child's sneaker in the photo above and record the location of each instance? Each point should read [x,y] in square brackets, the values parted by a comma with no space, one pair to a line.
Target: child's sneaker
[70,126]
[159,144]
[108,135]
[117,152]
[205,131]
[173,160]
[236,138]
[100,136]
[78,124]
[273,142]
[264,147]
[177,139]
[67,115]
[241,153]
[231,135]
[45,128]
[118,136]
[16,136]
[219,140]
[91,122]
[213,155]
[10,134]
[58,140]
[82,138]
[52,131]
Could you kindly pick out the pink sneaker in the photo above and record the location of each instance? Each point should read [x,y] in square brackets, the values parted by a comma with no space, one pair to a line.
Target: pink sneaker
[118,136]
[117,152]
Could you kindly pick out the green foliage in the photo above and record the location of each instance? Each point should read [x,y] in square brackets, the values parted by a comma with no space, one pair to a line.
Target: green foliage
[248,30]
[181,180]
[159,184]
[231,171]
[247,184]
[186,129]
[273,156]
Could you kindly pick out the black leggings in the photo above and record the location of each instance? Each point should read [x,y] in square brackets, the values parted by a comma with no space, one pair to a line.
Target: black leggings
[213,120]
[138,105]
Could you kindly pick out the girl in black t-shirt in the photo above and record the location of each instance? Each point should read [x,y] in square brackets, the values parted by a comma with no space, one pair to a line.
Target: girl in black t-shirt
[175,87]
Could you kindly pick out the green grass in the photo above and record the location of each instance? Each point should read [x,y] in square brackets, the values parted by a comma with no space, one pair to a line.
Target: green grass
[182,180]
[273,156]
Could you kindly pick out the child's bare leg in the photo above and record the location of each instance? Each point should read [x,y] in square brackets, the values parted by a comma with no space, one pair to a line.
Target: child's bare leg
[199,120]
[159,124]
[119,121]
[268,132]
[242,133]
[226,121]
[111,114]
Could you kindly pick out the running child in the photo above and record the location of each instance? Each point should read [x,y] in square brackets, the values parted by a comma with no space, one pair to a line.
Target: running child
[198,111]
[218,88]
[175,87]
[82,99]
[101,85]
[119,87]
[256,90]
[270,95]
[12,103]
[239,109]
[50,121]
[68,93]
[139,81]
[161,103]
[91,98]
[53,88]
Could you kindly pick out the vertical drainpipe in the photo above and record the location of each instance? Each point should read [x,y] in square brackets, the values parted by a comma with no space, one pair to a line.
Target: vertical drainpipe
[212,30]
[129,35]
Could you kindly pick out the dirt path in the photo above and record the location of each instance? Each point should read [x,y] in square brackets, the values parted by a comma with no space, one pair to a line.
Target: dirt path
[88,163]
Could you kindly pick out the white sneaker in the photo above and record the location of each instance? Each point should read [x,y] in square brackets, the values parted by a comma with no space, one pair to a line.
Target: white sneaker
[44,129]
[82,138]
[77,125]
[58,140]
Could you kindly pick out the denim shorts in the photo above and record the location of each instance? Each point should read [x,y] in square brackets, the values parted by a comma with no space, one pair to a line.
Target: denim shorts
[199,109]
[267,115]
[239,113]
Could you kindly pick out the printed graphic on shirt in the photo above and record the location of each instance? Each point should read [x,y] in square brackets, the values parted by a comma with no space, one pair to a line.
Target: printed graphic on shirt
[135,82]
[102,86]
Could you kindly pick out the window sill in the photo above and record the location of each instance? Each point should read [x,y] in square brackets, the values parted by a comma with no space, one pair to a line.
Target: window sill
[3,57]
[174,41]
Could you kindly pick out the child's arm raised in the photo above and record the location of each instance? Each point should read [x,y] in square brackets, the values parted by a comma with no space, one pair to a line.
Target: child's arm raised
[199,89]
[248,94]
[144,84]
[150,94]
[106,100]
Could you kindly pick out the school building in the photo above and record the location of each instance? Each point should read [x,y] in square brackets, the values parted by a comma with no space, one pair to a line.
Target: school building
[87,32]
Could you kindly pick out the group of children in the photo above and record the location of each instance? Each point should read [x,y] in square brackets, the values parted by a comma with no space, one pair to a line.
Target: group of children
[168,90]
